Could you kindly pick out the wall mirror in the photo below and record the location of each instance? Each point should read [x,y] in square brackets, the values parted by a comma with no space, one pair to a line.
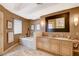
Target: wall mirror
[58,23]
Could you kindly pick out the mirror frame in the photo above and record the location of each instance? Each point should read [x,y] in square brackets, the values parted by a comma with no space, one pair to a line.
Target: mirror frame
[66,17]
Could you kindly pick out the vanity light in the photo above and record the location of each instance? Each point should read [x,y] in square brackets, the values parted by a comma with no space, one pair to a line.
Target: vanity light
[76,20]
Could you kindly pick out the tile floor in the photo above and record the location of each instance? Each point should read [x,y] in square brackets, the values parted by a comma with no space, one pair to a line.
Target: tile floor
[24,51]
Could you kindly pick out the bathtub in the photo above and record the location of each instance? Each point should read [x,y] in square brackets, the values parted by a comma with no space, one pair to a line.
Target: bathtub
[29,42]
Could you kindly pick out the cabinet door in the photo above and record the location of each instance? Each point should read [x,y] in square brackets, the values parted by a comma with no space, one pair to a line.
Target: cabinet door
[43,43]
[66,48]
[54,46]
[46,44]
[39,43]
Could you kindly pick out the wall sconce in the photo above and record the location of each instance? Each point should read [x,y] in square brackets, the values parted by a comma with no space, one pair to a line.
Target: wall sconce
[42,23]
[76,20]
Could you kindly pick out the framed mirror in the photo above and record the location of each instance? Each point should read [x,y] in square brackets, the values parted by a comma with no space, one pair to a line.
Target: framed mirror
[58,23]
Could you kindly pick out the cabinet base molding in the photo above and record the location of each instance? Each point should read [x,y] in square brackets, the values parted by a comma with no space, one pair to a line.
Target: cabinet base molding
[48,52]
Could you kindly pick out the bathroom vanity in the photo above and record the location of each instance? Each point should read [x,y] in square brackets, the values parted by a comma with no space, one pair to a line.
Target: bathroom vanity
[58,46]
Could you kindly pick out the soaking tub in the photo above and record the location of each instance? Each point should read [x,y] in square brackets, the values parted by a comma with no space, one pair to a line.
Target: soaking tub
[29,42]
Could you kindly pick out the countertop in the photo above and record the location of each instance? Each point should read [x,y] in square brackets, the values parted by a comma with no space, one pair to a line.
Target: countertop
[61,38]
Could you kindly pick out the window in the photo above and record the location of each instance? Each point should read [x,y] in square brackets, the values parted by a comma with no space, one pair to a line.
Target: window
[17,26]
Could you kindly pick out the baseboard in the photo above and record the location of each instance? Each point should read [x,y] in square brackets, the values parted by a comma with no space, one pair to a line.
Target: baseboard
[9,48]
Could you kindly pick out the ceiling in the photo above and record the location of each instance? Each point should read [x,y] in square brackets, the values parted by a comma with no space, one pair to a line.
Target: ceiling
[35,10]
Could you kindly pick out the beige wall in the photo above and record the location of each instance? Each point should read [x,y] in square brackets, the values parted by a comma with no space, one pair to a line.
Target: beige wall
[26,25]
[10,16]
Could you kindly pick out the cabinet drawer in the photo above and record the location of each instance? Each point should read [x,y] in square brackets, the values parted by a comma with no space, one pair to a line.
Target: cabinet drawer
[66,42]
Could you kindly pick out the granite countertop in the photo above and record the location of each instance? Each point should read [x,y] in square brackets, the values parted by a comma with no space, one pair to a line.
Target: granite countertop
[61,38]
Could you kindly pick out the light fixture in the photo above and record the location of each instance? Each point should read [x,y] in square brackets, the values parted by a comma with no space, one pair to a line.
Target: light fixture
[42,23]
[76,20]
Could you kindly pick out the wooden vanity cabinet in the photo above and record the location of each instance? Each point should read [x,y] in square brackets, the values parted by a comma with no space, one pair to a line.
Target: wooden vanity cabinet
[55,46]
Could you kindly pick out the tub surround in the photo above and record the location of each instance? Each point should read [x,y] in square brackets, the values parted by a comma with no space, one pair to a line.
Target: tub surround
[30,42]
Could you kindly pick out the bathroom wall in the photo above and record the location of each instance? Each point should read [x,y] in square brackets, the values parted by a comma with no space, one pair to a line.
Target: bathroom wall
[26,25]
[74,30]
[1,31]
[10,16]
